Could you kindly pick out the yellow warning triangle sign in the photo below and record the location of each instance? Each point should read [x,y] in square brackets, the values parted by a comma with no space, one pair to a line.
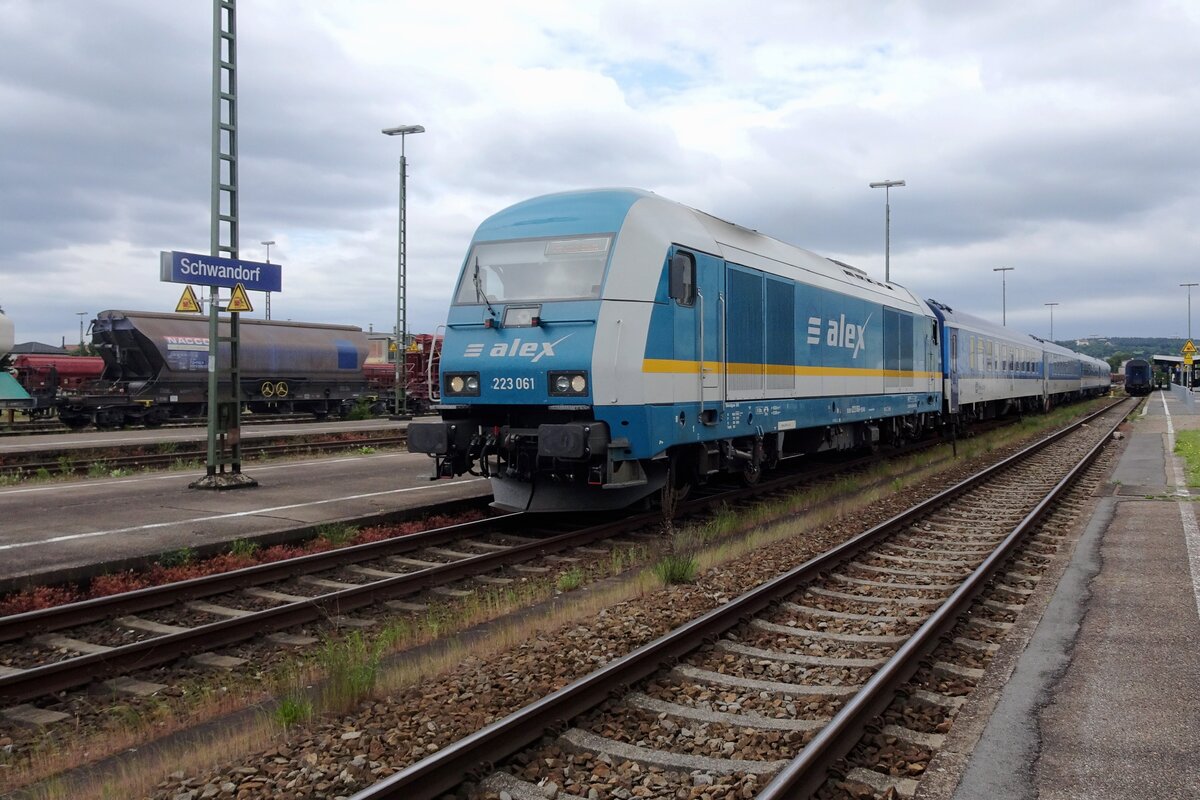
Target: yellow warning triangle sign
[239,301]
[188,304]
[1189,348]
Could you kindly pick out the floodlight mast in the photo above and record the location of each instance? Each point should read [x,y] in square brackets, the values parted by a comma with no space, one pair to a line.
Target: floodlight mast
[887,225]
[401,396]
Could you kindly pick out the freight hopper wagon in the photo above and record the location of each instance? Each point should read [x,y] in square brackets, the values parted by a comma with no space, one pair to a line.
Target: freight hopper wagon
[611,346]
[156,368]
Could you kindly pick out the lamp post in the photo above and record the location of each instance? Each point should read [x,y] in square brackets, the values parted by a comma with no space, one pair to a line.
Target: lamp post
[401,407]
[1003,293]
[1052,305]
[268,294]
[887,225]
[81,314]
[1189,325]
[1189,288]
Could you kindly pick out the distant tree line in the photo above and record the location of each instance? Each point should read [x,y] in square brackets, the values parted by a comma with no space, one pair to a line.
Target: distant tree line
[1118,350]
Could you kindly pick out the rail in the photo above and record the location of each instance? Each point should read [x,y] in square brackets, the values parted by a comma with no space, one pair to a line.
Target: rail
[465,759]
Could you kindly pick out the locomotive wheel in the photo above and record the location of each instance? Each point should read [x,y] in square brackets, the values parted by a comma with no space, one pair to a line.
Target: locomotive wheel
[676,489]
[751,475]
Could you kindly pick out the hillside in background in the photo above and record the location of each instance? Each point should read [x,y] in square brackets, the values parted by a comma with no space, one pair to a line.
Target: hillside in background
[1122,348]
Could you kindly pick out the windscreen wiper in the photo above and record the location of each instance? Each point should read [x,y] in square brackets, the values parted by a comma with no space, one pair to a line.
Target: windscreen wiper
[479,293]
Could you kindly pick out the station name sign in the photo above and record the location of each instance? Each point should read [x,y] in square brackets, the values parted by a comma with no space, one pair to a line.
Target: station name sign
[177,267]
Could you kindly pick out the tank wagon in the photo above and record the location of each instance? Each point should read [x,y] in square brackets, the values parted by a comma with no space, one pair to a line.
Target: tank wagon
[12,395]
[610,346]
[7,334]
[1139,377]
[156,368]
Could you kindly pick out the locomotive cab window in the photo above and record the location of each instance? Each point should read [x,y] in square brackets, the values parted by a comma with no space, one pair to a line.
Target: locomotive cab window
[683,278]
[534,270]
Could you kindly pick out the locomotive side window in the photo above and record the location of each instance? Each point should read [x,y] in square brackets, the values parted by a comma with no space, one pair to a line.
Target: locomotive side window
[683,278]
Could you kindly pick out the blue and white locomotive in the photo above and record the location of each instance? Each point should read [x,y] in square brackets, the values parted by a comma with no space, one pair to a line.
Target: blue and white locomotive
[608,346]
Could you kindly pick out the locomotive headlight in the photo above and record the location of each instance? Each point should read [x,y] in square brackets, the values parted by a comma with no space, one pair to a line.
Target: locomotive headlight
[569,384]
[462,383]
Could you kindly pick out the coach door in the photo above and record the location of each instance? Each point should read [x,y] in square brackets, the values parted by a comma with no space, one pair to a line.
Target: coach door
[696,287]
[953,371]
[933,376]
[711,313]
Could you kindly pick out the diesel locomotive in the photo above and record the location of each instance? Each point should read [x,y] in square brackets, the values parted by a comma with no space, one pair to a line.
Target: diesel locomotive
[610,346]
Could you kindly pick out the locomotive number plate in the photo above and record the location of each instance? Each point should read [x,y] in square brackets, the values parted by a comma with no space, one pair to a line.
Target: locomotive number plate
[511,384]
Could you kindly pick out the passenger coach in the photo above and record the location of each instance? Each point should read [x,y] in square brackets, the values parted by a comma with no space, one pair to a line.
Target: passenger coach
[606,346]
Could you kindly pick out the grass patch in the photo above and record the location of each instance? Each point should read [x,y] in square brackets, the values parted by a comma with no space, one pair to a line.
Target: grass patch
[178,558]
[677,568]
[1187,446]
[352,667]
[361,410]
[337,533]
[570,580]
[244,548]
[294,705]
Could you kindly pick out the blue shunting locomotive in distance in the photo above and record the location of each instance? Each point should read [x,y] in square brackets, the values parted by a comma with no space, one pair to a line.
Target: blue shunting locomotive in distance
[610,346]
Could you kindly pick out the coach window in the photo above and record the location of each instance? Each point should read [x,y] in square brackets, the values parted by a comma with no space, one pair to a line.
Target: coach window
[683,278]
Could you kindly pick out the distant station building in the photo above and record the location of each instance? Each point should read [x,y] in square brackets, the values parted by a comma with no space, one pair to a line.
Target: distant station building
[1171,365]
[39,349]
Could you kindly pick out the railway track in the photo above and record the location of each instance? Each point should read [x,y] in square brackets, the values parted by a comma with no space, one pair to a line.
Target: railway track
[73,645]
[50,426]
[764,694]
[74,462]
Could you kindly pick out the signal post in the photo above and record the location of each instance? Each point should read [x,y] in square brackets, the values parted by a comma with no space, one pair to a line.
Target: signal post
[1189,355]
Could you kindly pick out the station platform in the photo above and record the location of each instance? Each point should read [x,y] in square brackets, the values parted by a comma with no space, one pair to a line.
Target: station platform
[59,531]
[1101,698]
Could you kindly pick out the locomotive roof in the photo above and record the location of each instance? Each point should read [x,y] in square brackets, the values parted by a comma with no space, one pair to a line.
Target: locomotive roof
[605,211]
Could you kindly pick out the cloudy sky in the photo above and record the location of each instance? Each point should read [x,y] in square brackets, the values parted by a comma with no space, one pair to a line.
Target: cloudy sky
[1057,138]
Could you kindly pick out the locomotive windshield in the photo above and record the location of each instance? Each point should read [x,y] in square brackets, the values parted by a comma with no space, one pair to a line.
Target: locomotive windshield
[534,270]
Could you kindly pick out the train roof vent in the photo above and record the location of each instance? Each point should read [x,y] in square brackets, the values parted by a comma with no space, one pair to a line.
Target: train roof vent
[855,272]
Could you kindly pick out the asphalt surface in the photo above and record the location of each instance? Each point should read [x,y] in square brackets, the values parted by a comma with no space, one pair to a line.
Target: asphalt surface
[72,525]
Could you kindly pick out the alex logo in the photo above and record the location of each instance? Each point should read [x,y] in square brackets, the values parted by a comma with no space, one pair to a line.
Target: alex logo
[839,333]
[534,351]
